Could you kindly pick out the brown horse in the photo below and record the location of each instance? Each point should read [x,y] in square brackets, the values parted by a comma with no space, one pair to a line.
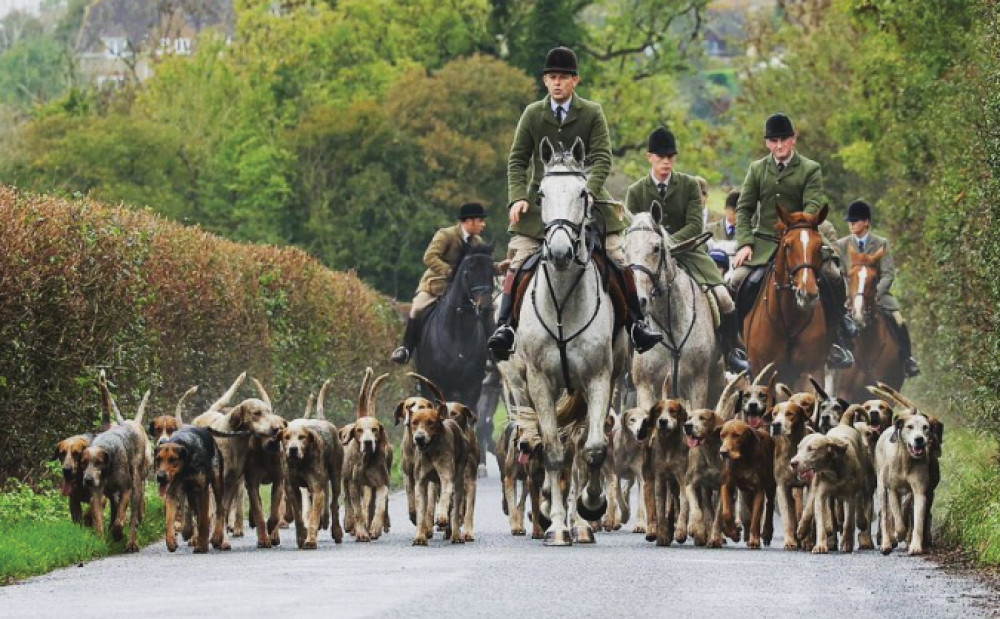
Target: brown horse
[876,352]
[787,325]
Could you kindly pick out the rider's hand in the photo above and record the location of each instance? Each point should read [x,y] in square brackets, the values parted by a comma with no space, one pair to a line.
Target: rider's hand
[743,255]
[503,265]
[517,209]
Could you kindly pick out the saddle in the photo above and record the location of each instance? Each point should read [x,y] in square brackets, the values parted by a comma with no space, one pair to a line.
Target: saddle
[746,296]
[611,284]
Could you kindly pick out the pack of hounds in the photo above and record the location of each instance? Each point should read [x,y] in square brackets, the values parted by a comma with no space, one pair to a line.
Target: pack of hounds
[835,469]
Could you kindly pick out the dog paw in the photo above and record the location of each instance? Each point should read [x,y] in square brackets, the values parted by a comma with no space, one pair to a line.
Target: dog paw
[263,543]
[441,523]
[846,548]
[117,533]
[753,543]
[308,545]
[712,543]
[363,537]
[470,537]
[639,529]
[517,532]
[791,545]
[820,549]
[172,546]
[226,546]
[866,545]
[419,541]
[200,550]
[458,540]
[663,540]
[131,547]
[680,535]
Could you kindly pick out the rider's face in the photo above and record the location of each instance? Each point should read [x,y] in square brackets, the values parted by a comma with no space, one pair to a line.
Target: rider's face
[474,225]
[781,148]
[560,85]
[662,165]
[859,228]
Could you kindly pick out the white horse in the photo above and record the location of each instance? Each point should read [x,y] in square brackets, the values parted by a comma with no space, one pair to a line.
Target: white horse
[675,304]
[567,343]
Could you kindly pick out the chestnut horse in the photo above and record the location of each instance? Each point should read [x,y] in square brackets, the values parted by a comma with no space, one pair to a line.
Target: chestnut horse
[876,352]
[787,326]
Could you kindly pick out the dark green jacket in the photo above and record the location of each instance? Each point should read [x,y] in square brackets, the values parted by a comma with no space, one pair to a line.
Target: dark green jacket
[524,165]
[798,188]
[683,219]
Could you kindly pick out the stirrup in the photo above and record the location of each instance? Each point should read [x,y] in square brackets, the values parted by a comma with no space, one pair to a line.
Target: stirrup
[737,361]
[501,343]
[839,358]
[849,326]
[643,338]
[401,355]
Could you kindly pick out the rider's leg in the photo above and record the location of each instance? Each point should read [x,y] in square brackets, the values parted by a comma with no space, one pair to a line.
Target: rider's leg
[729,331]
[519,249]
[643,337]
[910,366]
[833,295]
[421,302]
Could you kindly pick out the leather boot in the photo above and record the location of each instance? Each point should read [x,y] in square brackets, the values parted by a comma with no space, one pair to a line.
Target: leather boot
[501,343]
[840,356]
[910,366]
[402,354]
[729,332]
[642,335]
[847,324]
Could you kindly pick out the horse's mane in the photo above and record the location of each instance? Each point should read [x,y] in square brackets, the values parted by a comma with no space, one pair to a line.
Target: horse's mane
[797,219]
[472,250]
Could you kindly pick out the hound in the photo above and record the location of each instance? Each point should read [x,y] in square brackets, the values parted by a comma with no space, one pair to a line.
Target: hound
[748,455]
[265,465]
[315,459]
[828,411]
[117,462]
[630,441]
[367,466]
[69,453]
[162,427]
[664,472]
[188,465]
[756,399]
[788,428]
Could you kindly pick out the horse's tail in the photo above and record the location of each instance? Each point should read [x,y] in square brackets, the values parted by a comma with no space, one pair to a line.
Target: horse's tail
[570,409]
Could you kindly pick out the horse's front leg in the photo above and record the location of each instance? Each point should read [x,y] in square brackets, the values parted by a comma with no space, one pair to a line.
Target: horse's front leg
[555,455]
[591,503]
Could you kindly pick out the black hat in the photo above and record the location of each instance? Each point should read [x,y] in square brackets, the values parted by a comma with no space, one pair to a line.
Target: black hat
[561,60]
[859,210]
[662,142]
[732,199]
[471,210]
[778,126]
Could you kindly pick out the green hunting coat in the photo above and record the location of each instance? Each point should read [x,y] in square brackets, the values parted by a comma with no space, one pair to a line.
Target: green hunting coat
[798,188]
[683,219]
[524,164]
[886,267]
[718,230]
[441,258]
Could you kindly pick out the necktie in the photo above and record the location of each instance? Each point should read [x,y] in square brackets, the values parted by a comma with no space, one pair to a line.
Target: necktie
[662,188]
[861,246]
[730,230]
[781,167]
[559,114]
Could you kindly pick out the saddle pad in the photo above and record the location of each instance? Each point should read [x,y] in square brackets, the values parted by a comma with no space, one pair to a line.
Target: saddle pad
[714,304]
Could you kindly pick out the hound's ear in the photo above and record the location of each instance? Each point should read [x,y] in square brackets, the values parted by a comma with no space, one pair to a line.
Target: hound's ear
[844,404]
[346,434]
[656,212]
[839,446]
[783,215]
[877,255]
[739,402]
[57,454]
[442,410]
[183,453]
[400,413]
[937,429]
[546,152]
[151,428]
[897,428]
[821,215]
[609,424]
[655,411]
[381,434]
[579,151]
[470,415]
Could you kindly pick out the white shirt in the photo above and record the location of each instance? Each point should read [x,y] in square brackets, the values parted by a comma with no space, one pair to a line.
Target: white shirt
[784,162]
[465,234]
[565,106]
[656,182]
[864,239]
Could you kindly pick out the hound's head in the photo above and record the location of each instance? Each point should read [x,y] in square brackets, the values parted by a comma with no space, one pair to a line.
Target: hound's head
[298,440]
[701,425]
[787,418]
[739,440]
[817,452]
[161,428]
[369,434]
[937,436]
[256,416]
[637,423]
[879,414]
[463,415]
[914,430]
[408,407]
[171,459]
[69,453]
[96,463]
[805,400]
[753,401]
[529,442]
[426,425]
[828,413]
[668,416]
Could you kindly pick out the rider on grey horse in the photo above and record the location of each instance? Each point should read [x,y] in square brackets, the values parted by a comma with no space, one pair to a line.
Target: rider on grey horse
[794,182]
[442,257]
[562,117]
[679,197]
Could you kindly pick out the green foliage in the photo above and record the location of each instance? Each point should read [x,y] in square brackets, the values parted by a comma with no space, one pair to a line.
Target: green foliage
[969,498]
[32,70]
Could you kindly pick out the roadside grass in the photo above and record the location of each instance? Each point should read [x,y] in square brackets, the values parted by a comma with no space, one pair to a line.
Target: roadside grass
[967,504]
[37,536]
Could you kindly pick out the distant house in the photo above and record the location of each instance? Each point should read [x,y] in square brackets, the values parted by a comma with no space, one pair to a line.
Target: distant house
[121,40]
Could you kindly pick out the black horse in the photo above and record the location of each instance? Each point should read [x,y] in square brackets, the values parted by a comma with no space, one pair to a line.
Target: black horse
[452,351]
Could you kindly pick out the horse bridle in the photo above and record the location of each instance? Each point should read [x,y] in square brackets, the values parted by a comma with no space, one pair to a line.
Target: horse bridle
[471,291]
[805,265]
[654,276]
[573,230]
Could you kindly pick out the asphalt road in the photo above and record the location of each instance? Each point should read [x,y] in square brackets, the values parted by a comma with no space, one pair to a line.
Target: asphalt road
[498,575]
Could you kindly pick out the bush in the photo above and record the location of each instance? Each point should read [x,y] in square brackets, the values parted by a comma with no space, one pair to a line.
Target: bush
[162,306]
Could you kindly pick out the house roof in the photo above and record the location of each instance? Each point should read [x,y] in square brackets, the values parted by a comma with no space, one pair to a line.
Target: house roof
[138,20]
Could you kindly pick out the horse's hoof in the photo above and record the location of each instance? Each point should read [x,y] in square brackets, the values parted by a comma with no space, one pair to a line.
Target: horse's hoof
[582,535]
[591,514]
[558,538]
[544,522]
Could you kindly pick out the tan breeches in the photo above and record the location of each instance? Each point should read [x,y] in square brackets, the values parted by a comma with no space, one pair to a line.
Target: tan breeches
[421,302]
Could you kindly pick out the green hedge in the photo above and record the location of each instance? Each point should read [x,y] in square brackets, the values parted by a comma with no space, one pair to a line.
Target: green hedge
[161,305]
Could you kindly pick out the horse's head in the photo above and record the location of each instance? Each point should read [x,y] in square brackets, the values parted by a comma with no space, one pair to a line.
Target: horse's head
[648,253]
[862,282]
[473,280]
[800,256]
[563,196]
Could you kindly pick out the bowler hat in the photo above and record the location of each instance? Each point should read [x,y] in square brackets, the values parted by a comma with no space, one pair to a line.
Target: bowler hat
[561,60]
[471,210]
[859,210]
[778,126]
[662,142]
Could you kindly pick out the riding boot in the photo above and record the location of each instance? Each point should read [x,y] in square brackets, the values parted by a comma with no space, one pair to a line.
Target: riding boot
[642,335]
[501,343]
[910,366]
[729,333]
[840,356]
[402,354]
[848,326]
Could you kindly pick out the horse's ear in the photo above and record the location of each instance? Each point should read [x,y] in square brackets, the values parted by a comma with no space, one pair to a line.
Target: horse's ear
[579,151]
[546,151]
[823,212]
[878,255]
[783,214]
[656,211]
[852,253]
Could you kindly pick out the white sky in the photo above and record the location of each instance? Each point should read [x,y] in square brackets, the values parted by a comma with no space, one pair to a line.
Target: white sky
[6,6]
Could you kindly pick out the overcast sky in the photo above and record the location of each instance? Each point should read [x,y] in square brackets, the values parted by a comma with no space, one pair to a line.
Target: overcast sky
[6,6]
